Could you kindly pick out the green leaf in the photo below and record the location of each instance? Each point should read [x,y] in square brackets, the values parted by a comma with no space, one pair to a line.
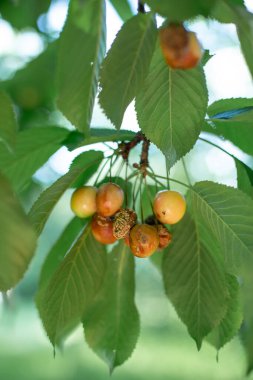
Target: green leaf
[44,205]
[112,323]
[244,25]
[59,250]
[123,9]
[8,124]
[230,108]
[228,214]
[244,178]
[232,120]
[82,48]
[73,287]
[194,278]
[236,130]
[33,148]
[232,321]
[33,86]
[23,13]
[17,238]
[171,107]
[179,10]
[229,11]
[126,65]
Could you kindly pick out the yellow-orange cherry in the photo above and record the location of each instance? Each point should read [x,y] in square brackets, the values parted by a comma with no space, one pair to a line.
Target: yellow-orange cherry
[83,201]
[169,206]
[110,198]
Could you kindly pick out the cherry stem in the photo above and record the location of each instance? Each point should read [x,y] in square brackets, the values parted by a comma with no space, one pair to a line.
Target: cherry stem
[171,179]
[125,148]
[126,183]
[149,194]
[107,159]
[186,171]
[217,146]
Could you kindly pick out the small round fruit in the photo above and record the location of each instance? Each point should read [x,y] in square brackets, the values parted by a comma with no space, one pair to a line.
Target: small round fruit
[169,206]
[144,240]
[165,236]
[181,48]
[102,229]
[123,221]
[110,198]
[83,201]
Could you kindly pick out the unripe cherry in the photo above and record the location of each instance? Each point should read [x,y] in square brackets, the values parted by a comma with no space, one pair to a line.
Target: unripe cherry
[169,206]
[144,240]
[102,229]
[83,201]
[110,198]
[181,48]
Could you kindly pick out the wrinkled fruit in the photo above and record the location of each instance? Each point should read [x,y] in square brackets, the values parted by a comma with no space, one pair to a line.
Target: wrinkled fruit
[124,220]
[165,236]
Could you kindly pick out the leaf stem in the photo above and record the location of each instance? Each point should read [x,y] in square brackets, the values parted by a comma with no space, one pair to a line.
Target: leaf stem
[217,146]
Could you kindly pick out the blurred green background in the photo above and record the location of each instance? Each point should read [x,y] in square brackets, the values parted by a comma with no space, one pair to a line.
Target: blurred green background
[164,349]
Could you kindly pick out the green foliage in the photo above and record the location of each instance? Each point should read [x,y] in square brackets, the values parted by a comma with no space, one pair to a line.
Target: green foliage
[172,125]
[194,278]
[232,320]
[82,47]
[123,8]
[23,13]
[112,323]
[33,86]
[228,214]
[72,287]
[244,178]
[126,66]
[44,205]
[59,250]
[17,238]
[8,124]
[33,148]
[80,281]
[179,10]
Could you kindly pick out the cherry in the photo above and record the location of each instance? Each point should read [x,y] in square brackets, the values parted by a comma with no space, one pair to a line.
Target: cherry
[102,229]
[169,206]
[109,199]
[181,48]
[123,221]
[144,240]
[165,236]
[83,201]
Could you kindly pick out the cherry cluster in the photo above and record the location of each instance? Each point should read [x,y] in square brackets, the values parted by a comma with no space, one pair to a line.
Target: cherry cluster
[111,222]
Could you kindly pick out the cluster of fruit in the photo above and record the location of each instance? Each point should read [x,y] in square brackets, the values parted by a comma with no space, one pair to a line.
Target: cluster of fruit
[181,48]
[111,222]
